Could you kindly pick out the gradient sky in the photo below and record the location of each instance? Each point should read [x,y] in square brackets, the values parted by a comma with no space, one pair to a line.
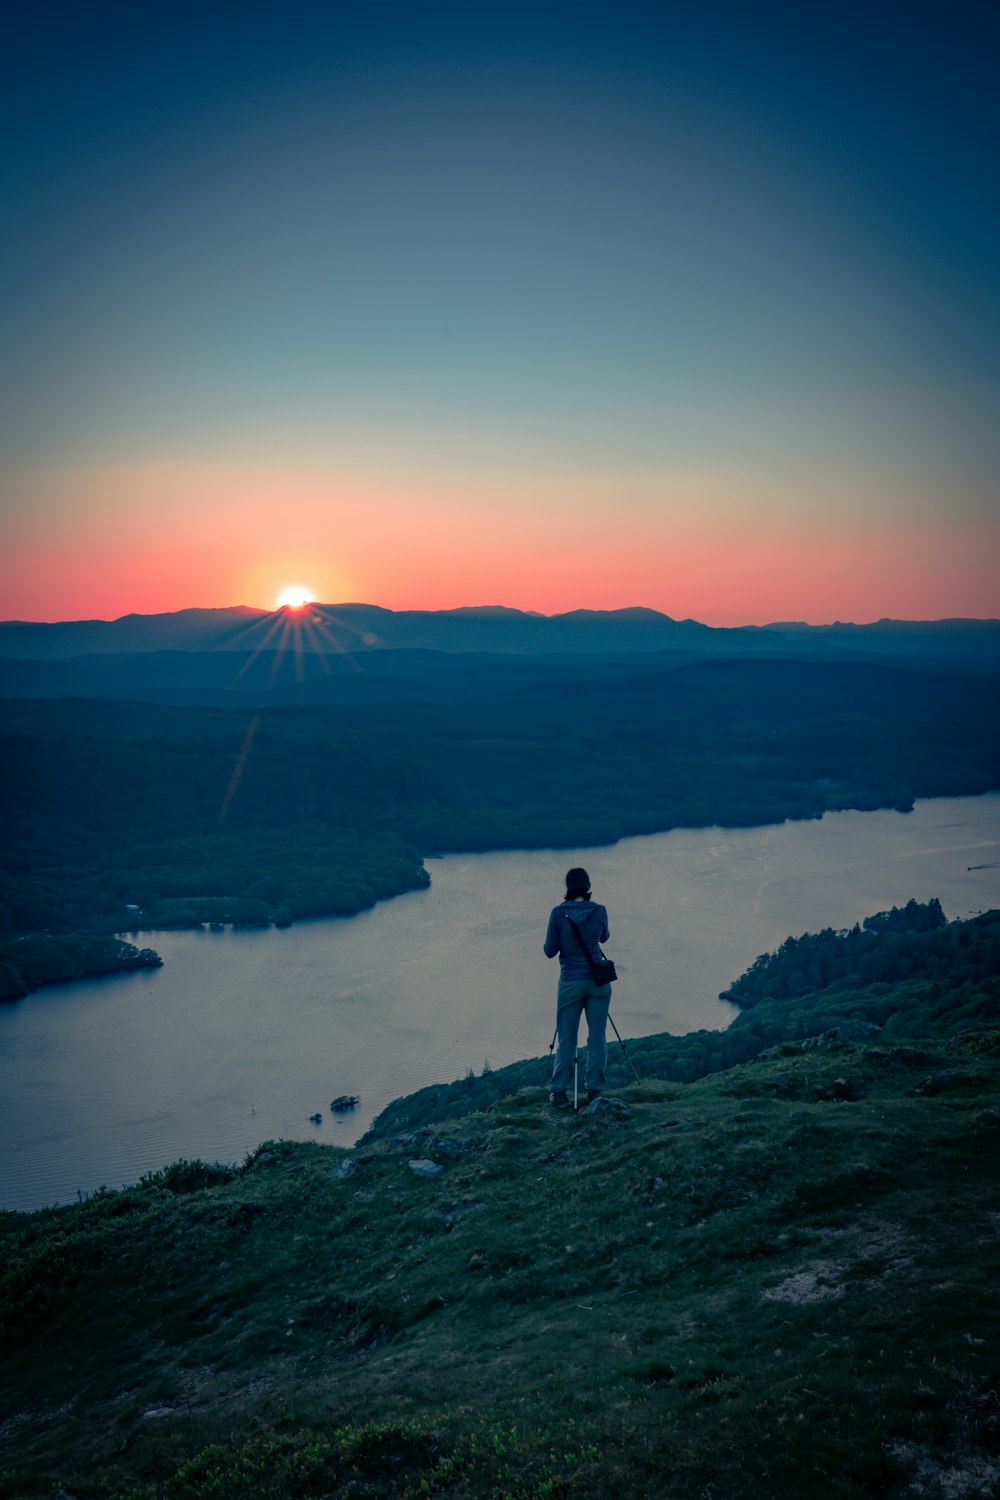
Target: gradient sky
[548,306]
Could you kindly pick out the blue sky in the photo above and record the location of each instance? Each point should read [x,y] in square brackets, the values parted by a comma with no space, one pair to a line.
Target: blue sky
[707,286]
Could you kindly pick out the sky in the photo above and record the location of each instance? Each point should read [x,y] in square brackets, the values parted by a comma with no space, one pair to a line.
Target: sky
[556,307]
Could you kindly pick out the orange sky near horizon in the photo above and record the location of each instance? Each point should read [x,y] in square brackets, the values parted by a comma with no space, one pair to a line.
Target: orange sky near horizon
[701,545]
[431,307]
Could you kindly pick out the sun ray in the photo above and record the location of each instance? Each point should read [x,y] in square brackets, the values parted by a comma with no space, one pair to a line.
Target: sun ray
[238,768]
[276,625]
[298,655]
[321,623]
[310,631]
[269,614]
[302,629]
[287,631]
[288,628]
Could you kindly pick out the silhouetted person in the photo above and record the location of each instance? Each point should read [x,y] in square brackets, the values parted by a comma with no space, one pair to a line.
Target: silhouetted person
[577,927]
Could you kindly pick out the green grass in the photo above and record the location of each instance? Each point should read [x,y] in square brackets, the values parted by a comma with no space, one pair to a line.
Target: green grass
[748,1287]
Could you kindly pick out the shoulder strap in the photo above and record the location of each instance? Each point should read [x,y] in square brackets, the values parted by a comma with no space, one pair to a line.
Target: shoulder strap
[585,950]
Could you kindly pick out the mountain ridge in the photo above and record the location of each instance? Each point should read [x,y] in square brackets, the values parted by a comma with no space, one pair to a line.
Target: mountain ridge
[322,629]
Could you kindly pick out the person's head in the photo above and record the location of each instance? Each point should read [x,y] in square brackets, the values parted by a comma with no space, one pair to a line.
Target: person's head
[577,885]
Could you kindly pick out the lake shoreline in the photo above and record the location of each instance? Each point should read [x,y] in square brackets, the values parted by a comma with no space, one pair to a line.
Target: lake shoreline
[244,1036]
[131,930]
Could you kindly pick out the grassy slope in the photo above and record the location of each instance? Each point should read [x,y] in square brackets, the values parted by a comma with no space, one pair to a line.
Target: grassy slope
[777,1281]
[931,984]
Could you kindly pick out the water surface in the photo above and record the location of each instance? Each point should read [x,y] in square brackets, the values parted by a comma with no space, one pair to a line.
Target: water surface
[242,1036]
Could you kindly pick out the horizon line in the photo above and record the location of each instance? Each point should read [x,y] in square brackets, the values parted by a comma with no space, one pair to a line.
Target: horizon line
[510,610]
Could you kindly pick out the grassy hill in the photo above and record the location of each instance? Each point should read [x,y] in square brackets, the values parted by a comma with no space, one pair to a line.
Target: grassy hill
[779,1280]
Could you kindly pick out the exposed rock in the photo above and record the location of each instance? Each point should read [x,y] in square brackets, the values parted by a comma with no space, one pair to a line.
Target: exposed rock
[424,1167]
[263,1157]
[459,1210]
[344,1168]
[604,1108]
[500,1135]
[844,1031]
[156,1412]
[448,1145]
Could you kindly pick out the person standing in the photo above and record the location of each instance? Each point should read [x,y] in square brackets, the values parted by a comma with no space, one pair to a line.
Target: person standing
[577,928]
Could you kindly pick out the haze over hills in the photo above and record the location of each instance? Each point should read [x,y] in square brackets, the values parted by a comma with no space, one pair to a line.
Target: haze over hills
[245,679]
[362,628]
[366,629]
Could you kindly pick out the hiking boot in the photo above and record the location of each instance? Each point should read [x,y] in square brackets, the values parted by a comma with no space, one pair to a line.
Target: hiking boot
[593,1094]
[560,1099]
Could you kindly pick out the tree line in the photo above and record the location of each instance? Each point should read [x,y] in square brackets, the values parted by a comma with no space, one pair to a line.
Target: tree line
[131,815]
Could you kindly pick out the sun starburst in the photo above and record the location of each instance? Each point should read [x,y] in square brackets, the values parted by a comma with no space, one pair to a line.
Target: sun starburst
[296,596]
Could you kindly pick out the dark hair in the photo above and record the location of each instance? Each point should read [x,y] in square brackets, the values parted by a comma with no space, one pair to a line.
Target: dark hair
[577,884]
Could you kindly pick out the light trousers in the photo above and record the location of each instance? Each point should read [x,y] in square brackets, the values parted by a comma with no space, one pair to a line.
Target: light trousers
[576,997]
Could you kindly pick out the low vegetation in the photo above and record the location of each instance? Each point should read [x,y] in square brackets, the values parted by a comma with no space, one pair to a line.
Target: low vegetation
[755,1285]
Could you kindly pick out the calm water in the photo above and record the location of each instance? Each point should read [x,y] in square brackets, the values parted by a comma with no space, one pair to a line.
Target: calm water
[242,1036]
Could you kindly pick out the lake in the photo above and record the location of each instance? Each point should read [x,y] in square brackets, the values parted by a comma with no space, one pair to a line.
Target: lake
[240,1037]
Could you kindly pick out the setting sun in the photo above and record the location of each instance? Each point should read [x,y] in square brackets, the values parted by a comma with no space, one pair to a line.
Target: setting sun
[294,597]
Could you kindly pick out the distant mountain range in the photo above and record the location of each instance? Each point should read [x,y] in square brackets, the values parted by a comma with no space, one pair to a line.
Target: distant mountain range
[365,628]
[357,653]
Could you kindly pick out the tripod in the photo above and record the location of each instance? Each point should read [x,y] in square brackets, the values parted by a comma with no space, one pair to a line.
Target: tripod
[576,1066]
[576,1059]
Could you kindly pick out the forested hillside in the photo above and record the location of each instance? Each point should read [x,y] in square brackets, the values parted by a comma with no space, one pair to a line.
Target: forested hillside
[889,947]
[326,810]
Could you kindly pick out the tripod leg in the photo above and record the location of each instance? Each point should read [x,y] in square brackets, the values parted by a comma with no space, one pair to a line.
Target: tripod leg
[624,1049]
[552,1045]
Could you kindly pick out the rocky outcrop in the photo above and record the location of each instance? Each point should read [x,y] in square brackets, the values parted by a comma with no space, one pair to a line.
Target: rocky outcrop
[424,1167]
[604,1108]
